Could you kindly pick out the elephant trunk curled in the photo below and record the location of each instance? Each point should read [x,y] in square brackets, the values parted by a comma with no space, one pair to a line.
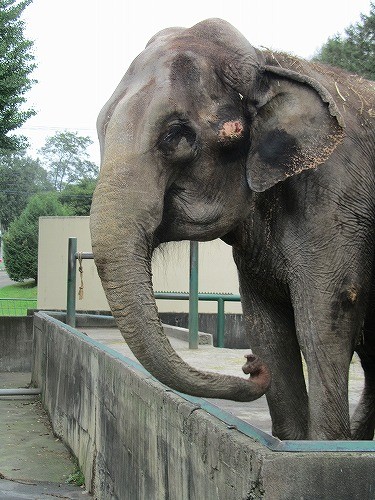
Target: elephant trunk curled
[122,251]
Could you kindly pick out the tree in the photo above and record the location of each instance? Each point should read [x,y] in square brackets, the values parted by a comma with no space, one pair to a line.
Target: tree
[79,196]
[356,50]
[16,64]
[21,239]
[66,159]
[20,178]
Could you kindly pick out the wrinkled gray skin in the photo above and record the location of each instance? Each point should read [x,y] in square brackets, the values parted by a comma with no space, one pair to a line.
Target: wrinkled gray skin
[206,137]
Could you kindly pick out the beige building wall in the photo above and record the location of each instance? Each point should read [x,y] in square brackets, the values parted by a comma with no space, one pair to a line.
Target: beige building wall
[170,267]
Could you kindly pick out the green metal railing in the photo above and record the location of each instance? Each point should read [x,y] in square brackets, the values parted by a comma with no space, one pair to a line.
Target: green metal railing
[220,298]
[193,296]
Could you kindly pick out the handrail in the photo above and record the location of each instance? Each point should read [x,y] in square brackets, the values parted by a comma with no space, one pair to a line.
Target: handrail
[193,296]
[220,298]
[18,299]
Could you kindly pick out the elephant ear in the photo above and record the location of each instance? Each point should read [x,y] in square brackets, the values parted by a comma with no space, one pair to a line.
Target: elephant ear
[296,128]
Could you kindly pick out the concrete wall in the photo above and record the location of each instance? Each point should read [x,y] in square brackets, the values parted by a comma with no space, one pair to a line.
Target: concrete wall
[217,271]
[16,341]
[136,439]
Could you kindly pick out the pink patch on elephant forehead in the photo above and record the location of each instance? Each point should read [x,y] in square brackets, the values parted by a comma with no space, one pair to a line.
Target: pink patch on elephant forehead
[231,129]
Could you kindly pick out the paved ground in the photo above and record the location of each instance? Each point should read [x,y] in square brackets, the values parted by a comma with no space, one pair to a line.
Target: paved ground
[228,361]
[34,464]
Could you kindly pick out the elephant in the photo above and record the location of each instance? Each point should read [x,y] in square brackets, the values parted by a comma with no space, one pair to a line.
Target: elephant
[208,137]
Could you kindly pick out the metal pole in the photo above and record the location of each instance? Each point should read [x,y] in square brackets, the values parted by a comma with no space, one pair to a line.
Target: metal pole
[220,322]
[20,392]
[193,296]
[71,289]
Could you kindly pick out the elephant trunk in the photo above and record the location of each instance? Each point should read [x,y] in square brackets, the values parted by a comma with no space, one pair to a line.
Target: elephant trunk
[122,247]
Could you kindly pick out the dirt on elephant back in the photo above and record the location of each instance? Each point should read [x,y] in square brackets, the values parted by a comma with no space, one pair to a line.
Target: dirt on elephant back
[350,91]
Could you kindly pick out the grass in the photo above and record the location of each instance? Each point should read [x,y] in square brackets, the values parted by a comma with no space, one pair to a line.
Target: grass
[26,290]
[19,291]
[77,478]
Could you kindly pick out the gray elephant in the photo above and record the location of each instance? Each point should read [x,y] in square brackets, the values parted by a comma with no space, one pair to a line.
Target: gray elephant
[207,137]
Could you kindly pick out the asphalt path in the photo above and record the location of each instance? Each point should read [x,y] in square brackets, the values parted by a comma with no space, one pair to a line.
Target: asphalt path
[4,279]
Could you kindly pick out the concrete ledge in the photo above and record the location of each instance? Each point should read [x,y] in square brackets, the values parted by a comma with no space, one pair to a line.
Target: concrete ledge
[183,334]
[107,321]
[85,319]
[137,439]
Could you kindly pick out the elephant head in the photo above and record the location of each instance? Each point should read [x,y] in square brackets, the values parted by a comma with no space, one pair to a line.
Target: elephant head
[197,123]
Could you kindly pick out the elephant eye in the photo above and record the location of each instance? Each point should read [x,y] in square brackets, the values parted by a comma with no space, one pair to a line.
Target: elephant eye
[178,142]
[174,135]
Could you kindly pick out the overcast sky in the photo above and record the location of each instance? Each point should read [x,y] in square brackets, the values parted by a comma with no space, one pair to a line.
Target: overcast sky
[83,47]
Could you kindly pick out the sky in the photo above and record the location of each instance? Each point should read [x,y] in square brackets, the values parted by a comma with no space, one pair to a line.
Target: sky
[83,47]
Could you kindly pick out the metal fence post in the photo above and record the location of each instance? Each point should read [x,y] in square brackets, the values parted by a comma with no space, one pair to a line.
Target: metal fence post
[220,322]
[193,296]
[71,289]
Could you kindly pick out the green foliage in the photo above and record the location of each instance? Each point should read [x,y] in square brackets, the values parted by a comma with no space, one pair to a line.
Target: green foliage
[16,64]
[77,478]
[355,51]
[21,239]
[66,159]
[20,178]
[79,196]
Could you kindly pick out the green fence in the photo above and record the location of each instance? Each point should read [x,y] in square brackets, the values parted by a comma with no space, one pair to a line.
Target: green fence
[16,307]
[193,296]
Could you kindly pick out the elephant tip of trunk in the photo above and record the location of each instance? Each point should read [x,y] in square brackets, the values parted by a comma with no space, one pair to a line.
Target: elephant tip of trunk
[260,375]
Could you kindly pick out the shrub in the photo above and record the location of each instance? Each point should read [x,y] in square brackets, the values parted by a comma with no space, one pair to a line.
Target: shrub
[21,239]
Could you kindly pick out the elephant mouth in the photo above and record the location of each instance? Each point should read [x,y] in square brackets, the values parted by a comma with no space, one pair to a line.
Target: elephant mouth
[179,222]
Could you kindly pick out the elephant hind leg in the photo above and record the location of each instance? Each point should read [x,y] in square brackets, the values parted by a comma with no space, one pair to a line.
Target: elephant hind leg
[363,420]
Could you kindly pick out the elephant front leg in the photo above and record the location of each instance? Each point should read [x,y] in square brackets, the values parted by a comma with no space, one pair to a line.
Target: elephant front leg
[272,337]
